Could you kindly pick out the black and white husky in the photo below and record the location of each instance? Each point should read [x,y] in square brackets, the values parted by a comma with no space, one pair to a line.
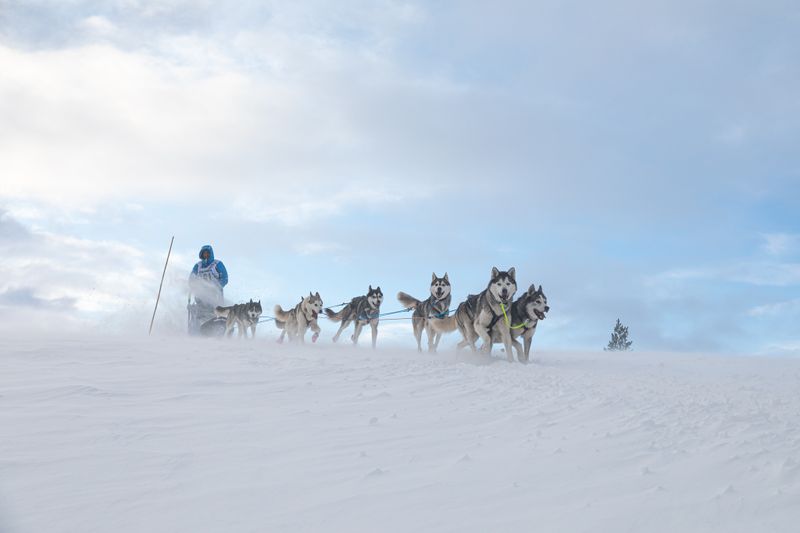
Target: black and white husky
[481,315]
[243,316]
[526,312]
[435,306]
[297,321]
[362,310]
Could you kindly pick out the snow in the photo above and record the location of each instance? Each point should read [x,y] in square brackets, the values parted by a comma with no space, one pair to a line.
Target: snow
[167,434]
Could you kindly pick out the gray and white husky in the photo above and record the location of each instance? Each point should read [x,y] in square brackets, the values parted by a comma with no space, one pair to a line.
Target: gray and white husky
[362,310]
[244,316]
[526,312]
[481,314]
[437,305]
[297,321]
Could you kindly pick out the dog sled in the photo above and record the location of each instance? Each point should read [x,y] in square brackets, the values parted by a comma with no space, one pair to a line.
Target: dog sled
[201,321]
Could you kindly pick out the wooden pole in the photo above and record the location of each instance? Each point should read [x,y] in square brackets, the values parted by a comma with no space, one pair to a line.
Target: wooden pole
[161,285]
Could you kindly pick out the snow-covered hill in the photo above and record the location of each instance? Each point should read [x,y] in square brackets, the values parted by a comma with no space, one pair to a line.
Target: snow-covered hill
[188,435]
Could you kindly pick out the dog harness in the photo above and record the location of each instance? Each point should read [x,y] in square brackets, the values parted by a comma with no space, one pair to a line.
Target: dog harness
[363,310]
[495,320]
[433,304]
[366,315]
[513,312]
[471,302]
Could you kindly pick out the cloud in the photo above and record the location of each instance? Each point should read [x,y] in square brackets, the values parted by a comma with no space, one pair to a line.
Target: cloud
[189,116]
[776,274]
[781,243]
[733,135]
[296,209]
[279,104]
[155,130]
[10,230]
[70,279]
[789,347]
[758,273]
[319,248]
[98,25]
[26,297]
[787,307]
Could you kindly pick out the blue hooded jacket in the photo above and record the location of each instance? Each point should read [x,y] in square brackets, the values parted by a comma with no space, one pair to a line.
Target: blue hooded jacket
[204,263]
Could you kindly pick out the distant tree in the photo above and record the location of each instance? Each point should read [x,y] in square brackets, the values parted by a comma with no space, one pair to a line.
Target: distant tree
[619,339]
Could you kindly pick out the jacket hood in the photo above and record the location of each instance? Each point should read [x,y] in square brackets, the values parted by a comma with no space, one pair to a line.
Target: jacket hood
[210,253]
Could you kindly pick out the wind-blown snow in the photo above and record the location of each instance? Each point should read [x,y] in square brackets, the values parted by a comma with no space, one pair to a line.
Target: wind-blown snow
[189,435]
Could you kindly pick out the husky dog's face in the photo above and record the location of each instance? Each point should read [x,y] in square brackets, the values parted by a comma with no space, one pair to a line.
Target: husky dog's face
[537,303]
[375,297]
[440,287]
[503,284]
[254,310]
[313,302]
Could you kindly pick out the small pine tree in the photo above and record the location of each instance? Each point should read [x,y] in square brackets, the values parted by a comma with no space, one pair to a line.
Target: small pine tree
[619,339]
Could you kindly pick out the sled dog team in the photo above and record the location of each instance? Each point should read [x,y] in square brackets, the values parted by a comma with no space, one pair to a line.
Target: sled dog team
[493,316]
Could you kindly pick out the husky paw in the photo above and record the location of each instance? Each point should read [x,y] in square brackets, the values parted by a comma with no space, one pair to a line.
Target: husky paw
[279,340]
[314,337]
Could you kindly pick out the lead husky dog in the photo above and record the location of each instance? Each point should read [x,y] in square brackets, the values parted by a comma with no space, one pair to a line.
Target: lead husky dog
[526,312]
[297,321]
[244,316]
[362,310]
[481,314]
[437,305]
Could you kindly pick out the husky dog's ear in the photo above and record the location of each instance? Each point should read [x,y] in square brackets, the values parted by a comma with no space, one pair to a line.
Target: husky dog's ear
[370,289]
[433,277]
[532,289]
[317,295]
[540,289]
[445,277]
[379,289]
[309,293]
[512,273]
[495,272]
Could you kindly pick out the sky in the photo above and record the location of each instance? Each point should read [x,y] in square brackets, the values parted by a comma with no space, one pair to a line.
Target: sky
[638,160]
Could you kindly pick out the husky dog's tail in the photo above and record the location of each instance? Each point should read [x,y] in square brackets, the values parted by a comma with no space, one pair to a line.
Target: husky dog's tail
[444,325]
[336,317]
[408,301]
[280,314]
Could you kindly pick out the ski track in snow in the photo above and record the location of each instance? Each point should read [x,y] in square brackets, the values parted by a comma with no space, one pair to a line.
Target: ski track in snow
[172,435]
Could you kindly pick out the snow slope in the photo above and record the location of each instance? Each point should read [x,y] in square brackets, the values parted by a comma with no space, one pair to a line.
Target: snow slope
[189,435]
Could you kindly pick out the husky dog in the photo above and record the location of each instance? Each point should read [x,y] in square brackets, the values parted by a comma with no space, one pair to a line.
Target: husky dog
[481,314]
[525,314]
[362,310]
[242,315]
[297,321]
[436,306]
